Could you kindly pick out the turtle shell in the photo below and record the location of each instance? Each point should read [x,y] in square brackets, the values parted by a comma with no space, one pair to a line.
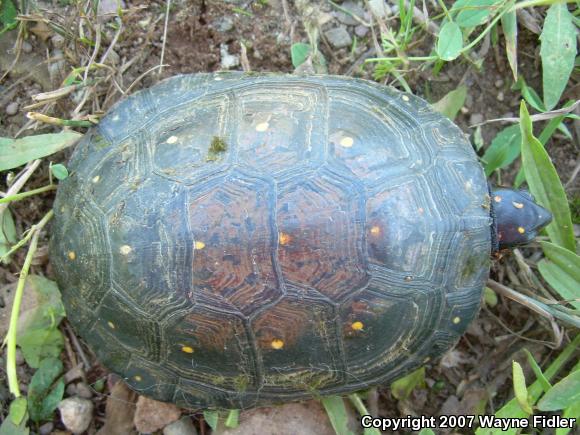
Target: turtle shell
[231,240]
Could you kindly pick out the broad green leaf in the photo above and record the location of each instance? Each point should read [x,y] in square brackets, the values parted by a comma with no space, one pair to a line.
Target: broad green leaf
[212,418]
[561,269]
[513,410]
[299,53]
[59,171]
[472,12]
[451,103]
[573,411]
[509,24]
[18,410]
[9,428]
[38,335]
[531,96]
[504,149]
[558,52]
[403,387]
[520,389]
[232,420]
[537,371]
[563,394]
[336,411]
[450,41]
[45,390]
[8,15]
[545,185]
[16,152]
[7,233]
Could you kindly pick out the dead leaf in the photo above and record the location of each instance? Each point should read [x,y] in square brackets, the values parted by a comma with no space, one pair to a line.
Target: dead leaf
[119,411]
[41,30]
[151,415]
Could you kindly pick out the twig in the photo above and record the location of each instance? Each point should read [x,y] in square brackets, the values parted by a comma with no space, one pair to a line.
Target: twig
[138,79]
[77,345]
[20,182]
[164,38]
[538,117]
[22,195]
[244,58]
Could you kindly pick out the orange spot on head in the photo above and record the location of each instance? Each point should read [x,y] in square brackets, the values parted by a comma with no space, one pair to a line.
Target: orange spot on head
[517,204]
[497,198]
[375,230]
[187,349]
[284,238]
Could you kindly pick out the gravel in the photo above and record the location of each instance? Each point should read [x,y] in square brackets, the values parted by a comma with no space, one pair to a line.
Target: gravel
[338,37]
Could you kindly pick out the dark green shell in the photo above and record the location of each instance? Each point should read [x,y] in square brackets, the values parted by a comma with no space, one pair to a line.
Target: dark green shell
[239,240]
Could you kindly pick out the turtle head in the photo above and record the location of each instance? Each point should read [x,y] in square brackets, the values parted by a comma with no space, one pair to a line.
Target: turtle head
[518,218]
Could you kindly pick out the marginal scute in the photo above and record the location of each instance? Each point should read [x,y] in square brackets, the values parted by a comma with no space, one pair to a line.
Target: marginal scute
[232,240]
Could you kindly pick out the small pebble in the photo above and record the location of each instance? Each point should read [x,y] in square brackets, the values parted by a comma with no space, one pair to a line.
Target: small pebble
[71,390]
[476,118]
[500,96]
[26,47]
[228,60]
[46,428]
[12,109]
[498,83]
[57,41]
[183,426]
[338,37]
[76,414]
[354,9]
[84,391]
[223,24]
[361,31]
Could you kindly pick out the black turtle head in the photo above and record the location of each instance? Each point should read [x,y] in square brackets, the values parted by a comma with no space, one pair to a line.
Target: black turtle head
[518,218]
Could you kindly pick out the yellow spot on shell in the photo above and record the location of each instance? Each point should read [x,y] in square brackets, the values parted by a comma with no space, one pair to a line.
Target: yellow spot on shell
[71,255]
[262,126]
[277,344]
[138,378]
[187,349]
[426,360]
[284,238]
[172,139]
[521,230]
[125,250]
[375,230]
[497,198]
[517,204]
[346,142]
[111,324]
[96,179]
[456,320]
[405,98]
[357,326]
[199,245]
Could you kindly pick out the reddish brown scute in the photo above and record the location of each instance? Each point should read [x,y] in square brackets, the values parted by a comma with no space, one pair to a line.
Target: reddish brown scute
[239,240]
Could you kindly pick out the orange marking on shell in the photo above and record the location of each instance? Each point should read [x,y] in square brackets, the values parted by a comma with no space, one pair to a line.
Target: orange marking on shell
[521,230]
[497,198]
[517,204]
[284,238]
[277,344]
[187,349]
[375,230]
[357,326]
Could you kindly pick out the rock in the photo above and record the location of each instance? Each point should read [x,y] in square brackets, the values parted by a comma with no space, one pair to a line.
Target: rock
[223,24]
[108,8]
[26,47]
[84,391]
[183,426]
[354,9]
[46,428]
[71,390]
[338,37]
[361,31]
[12,109]
[293,418]
[76,413]
[498,83]
[228,60]
[151,415]
[57,41]
[500,96]
[476,118]
[379,8]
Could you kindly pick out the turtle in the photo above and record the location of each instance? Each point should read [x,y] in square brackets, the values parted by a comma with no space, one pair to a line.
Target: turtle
[233,240]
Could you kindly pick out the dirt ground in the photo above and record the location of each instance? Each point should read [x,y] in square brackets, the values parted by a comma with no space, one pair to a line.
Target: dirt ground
[475,376]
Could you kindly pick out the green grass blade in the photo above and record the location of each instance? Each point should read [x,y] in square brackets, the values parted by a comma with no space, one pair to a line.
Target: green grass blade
[512,408]
[336,411]
[520,389]
[509,23]
[504,149]
[545,184]
[565,393]
[451,103]
[558,52]
[561,269]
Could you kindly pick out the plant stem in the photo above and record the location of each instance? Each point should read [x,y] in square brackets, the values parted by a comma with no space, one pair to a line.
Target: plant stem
[10,339]
[22,195]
